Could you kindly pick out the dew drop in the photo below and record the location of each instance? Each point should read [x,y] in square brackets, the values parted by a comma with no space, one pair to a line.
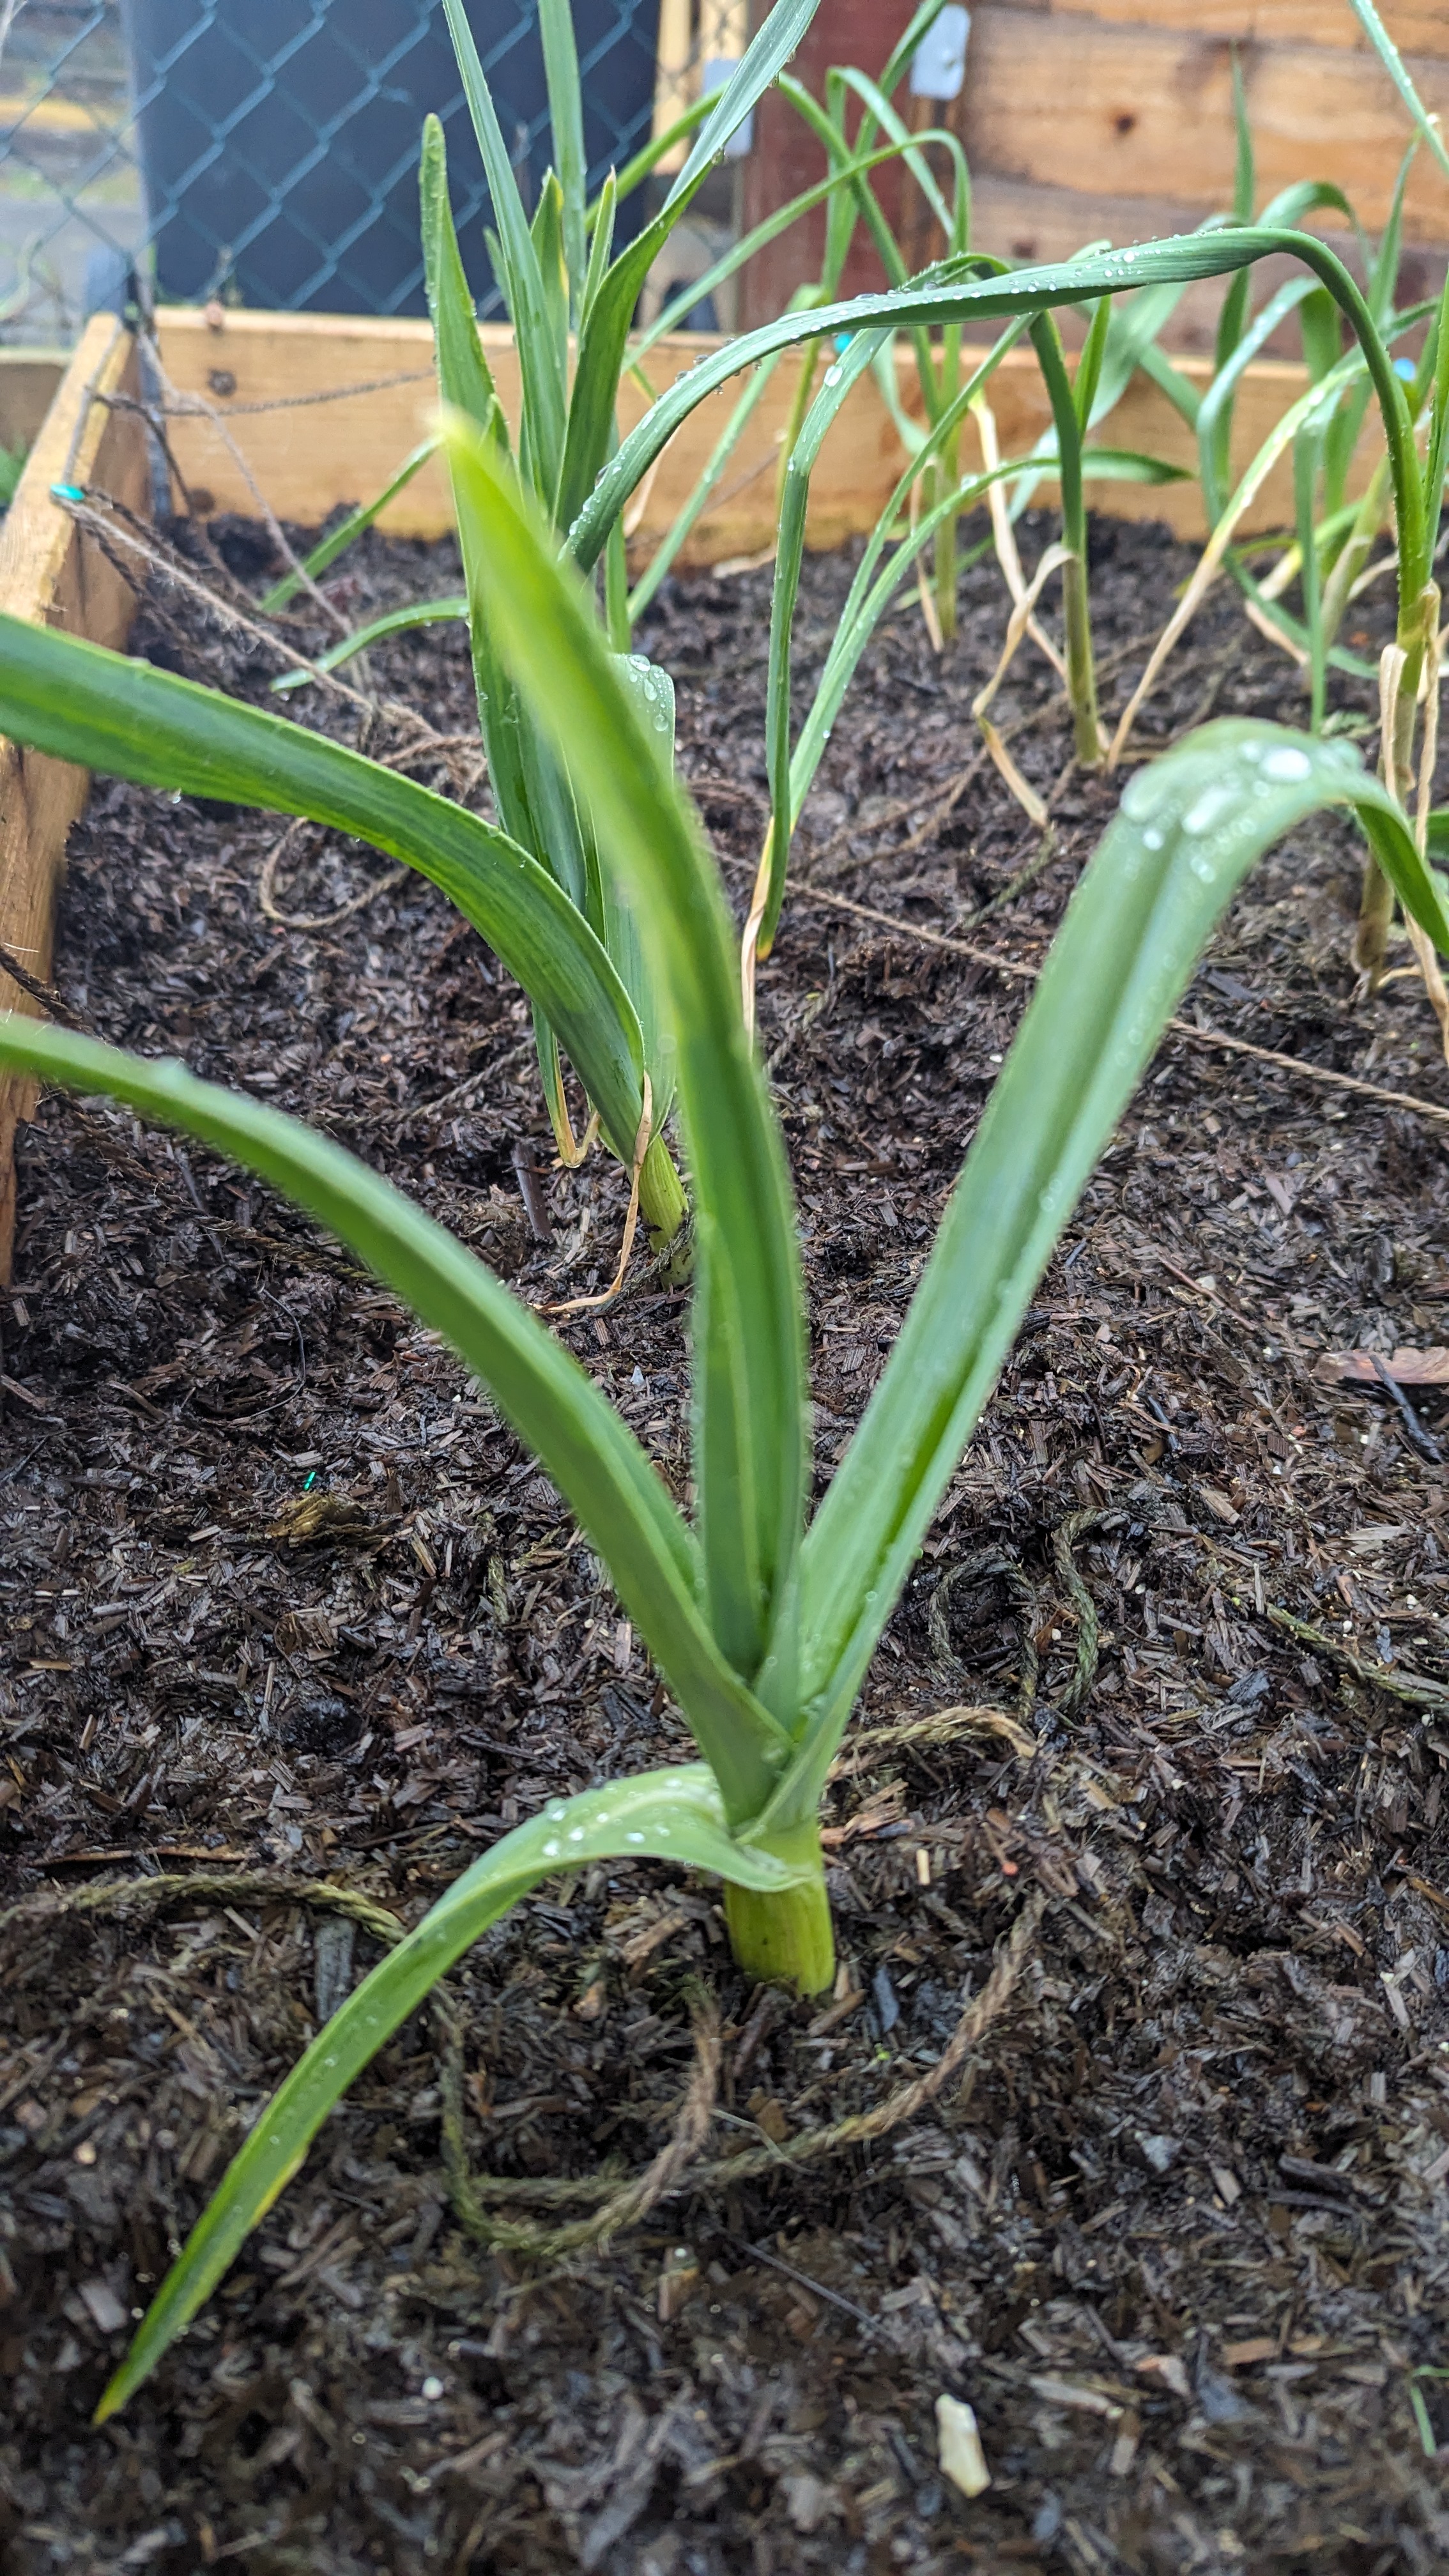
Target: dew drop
[1152,839]
[1214,803]
[1287,764]
[633,1838]
[551,1851]
[576,1833]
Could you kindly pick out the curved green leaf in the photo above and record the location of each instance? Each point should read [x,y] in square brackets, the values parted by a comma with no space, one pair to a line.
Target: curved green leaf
[605,332]
[397,621]
[540,366]
[83,703]
[1190,826]
[566,118]
[355,525]
[1029,291]
[762,62]
[825,191]
[598,1466]
[649,155]
[1215,411]
[661,1815]
[1393,63]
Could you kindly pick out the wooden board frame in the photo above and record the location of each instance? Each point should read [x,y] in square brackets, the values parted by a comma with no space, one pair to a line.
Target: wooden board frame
[47,574]
[244,391]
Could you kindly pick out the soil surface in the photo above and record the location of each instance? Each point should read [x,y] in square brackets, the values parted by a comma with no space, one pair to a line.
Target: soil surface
[286,1605]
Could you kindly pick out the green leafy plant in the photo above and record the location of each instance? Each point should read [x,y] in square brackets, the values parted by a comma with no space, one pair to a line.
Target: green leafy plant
[893,548]
[762,1626]
[532,884]
[854,202]
[956,295]
[1334,536]
[559,277]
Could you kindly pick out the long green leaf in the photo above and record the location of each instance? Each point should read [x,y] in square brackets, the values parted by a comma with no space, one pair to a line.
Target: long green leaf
[824,191]
[1023,291]
[1235,303]
[605,1477]
[464,374]
[1190,826]
[532,797]
[762,61]
[1214,418]
[869,602]
[751,1439]
[604,337]
[566,117]
[661,1815]
[83,703]
[395,621]
[658,566]
[355,525]
[791,775]
[466,381]
[658,148]
[1393,63]
[540,370]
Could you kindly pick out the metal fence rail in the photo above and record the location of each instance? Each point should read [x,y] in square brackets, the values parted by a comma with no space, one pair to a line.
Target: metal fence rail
[265,151]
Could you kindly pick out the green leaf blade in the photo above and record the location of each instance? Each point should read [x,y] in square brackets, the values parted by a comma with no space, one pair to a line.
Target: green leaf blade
[355,525]
[952,301]
[751,1417]
[86,704]
[1190,827]
[660,1815]
[607,1480]
[379,630]
[566,117]
[540,370]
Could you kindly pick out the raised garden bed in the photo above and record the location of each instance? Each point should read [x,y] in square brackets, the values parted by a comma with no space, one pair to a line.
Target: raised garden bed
[288,1606]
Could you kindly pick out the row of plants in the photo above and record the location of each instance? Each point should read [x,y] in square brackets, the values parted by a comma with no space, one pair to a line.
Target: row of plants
[593,884]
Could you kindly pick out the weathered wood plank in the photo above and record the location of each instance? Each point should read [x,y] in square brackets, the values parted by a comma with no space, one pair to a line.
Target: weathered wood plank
[1129,110]
[309,459]
[29,382]
[49,574]
[1029,224]
[1417,26]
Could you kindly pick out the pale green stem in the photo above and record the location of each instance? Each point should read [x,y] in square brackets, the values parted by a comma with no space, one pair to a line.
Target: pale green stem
[786,1939]
[1417,623]
[1081,662]
[662,1202]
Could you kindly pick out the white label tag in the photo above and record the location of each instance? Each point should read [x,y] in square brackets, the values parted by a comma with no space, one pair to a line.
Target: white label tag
[938,65]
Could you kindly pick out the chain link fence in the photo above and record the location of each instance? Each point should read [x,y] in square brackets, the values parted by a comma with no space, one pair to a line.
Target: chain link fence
[265,151]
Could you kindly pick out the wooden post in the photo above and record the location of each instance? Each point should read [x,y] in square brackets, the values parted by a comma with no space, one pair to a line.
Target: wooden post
[49,573]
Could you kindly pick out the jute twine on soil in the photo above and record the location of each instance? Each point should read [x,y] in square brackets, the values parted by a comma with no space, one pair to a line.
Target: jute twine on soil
[616,2205]
[673,2170]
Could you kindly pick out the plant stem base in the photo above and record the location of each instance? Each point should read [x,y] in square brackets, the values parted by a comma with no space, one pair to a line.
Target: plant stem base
[786,1940]
[662,1202]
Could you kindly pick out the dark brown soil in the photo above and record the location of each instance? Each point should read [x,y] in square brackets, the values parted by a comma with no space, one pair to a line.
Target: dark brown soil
[287,1604]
